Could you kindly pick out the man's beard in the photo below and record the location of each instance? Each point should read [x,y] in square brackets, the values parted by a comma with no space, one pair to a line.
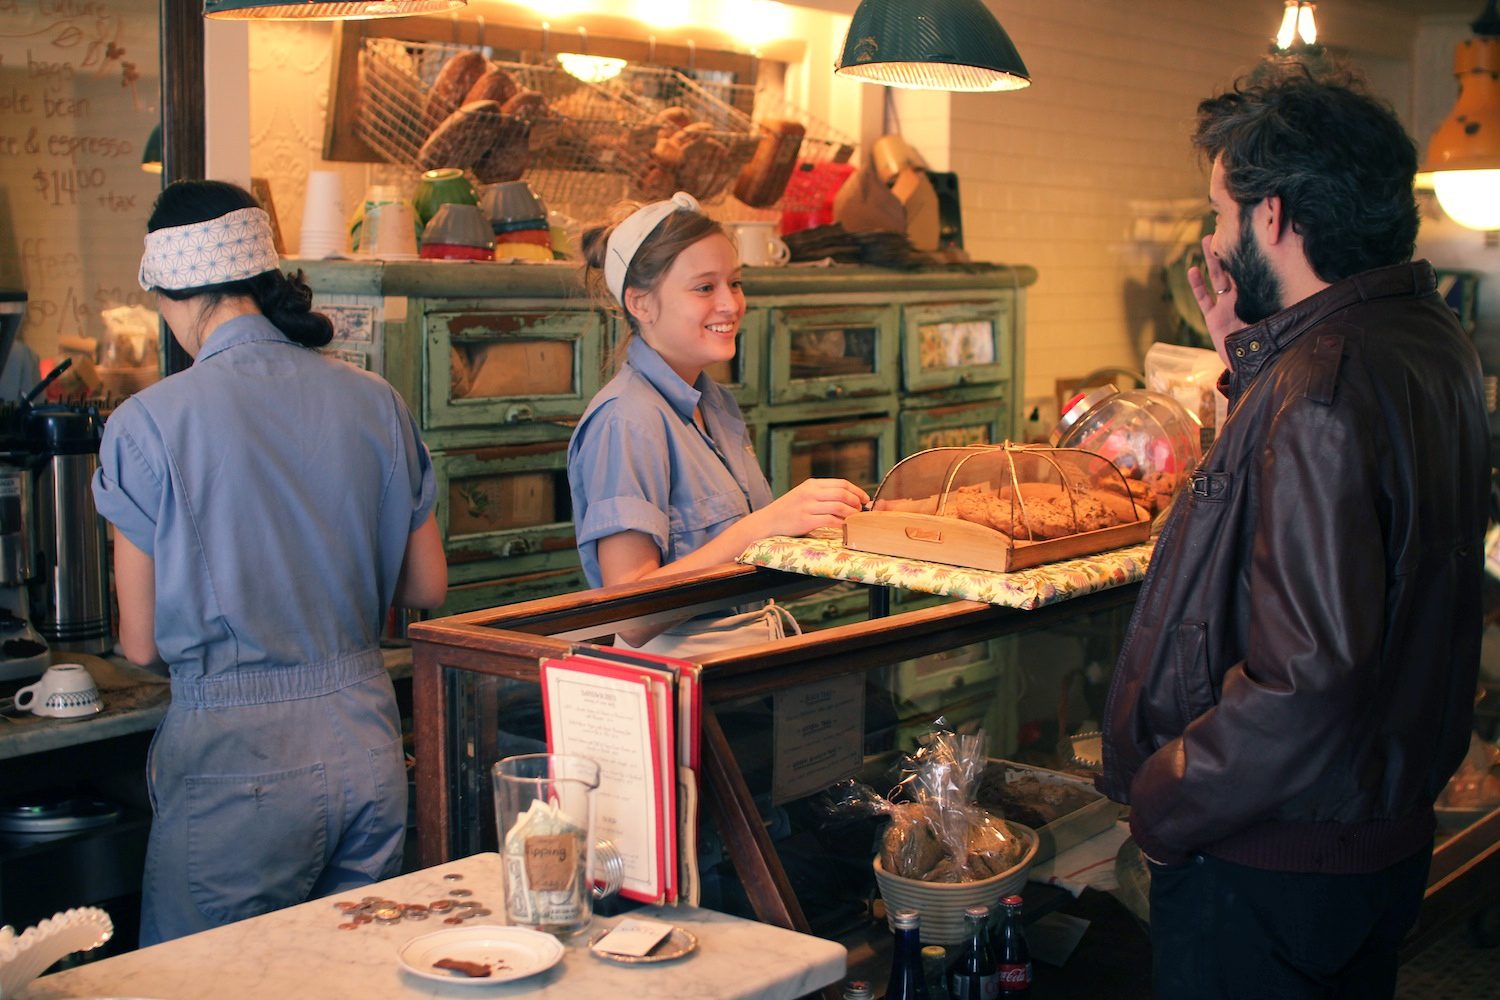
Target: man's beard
[1257,289]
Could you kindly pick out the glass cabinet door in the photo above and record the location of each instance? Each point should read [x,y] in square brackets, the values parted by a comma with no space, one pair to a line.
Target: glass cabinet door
[857,450]
[986,422]
[504,505]
[956,344]
[824,354]
[510,367]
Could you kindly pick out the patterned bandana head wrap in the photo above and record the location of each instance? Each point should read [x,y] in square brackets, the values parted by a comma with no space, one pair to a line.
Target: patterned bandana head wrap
[230,248]
[630,234]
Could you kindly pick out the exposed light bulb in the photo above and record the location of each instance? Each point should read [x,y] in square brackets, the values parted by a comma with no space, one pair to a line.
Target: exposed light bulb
[1306,27]
[1470,198]
[1288,32]
[590,69]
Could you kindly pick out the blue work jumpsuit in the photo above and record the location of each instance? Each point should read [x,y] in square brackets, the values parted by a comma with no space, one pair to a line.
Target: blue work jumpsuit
[275,488]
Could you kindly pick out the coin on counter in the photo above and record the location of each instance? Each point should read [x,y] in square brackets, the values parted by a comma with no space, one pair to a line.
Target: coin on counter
[440,905]
[453,877]
[460,892]
[481,912]
[345,905]
[453,920]
[415,915]
[348,927]
[388,914]
[414,907]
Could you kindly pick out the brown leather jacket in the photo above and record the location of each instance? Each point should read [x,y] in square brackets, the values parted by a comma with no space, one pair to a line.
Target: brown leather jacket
[1297,681]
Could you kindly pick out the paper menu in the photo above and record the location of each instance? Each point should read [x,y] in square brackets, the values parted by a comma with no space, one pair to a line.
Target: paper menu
[611,713]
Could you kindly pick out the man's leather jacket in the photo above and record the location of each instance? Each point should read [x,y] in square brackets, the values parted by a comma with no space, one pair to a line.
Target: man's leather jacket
[1297,681]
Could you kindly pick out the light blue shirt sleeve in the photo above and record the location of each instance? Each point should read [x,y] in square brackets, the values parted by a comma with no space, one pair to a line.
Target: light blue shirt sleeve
[620,470]
[421,479]
[131,481]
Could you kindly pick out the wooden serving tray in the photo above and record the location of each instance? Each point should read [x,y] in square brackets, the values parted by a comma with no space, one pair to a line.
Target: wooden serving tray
[957,542]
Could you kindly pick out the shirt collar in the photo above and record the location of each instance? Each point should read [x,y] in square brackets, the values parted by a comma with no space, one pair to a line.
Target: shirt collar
[653,368]
[245,329]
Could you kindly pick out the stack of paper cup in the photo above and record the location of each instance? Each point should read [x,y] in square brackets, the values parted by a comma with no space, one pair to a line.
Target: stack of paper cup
[395,232]
[323,216]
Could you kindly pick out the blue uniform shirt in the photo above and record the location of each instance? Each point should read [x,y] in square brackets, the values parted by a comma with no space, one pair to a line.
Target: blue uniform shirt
[275,488]
[638,462]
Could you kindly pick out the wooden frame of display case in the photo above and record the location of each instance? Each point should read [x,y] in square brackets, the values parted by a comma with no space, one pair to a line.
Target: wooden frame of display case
[509,642]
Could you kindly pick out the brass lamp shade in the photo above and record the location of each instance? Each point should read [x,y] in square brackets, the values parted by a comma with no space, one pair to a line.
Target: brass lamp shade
[931,45]
[322,10]
[1464,153]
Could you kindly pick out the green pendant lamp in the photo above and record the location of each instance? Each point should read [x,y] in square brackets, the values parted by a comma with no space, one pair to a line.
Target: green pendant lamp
[931,45]
[322,10]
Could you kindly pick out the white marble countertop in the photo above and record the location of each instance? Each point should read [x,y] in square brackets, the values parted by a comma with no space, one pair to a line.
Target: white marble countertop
[301,952]
[135,701]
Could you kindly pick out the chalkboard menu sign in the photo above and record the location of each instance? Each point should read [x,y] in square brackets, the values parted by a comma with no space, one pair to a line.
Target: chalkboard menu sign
[79,97]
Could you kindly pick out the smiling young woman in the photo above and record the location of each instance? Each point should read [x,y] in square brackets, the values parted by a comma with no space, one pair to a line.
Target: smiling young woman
[662,472]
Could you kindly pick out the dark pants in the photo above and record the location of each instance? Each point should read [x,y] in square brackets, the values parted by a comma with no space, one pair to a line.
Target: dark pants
[1224,930]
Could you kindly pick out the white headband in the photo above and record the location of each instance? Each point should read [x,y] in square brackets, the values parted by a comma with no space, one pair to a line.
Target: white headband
[630,234]
[230,248]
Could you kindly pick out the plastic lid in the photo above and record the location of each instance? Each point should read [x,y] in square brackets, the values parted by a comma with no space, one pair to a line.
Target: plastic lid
[905,920]
[60,429]
[1078,406]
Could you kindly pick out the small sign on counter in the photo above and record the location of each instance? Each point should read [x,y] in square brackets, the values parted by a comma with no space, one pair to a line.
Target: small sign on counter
[818,735]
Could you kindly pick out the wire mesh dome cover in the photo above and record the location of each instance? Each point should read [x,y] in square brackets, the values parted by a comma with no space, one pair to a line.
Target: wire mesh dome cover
[1001,507]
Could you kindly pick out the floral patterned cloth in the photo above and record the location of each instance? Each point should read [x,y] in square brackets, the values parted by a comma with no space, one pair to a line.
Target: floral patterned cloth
[1025,589]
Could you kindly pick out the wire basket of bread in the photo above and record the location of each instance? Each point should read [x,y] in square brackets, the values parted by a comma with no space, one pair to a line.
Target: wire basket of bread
[1001,507]
[701,143]
[430,105]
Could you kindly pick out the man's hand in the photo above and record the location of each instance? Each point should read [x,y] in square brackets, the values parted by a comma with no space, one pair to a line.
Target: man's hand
[1215,294]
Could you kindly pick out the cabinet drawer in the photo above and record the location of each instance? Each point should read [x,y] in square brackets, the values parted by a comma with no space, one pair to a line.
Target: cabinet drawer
[498,367]
[832,353]
[743,374]
[956,344]
[503,502]
[484,594]
[857,450]
[954,426]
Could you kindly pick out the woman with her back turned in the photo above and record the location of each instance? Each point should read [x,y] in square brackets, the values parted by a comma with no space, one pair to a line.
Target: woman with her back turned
[270,504]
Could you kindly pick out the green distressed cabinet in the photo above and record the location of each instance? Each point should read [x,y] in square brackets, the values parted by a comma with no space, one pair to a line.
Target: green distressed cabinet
[840,371]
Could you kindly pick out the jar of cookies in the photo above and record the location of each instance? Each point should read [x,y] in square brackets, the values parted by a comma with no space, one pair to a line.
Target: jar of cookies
[1149,436]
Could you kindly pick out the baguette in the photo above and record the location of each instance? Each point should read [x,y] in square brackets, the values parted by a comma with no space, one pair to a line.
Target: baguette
[458,74]
[462,138]
[764,179]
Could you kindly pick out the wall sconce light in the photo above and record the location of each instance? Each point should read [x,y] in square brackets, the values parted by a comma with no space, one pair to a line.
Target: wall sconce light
[932,45]
[151,155]
[322,10]
[1299,30]
[1464,153]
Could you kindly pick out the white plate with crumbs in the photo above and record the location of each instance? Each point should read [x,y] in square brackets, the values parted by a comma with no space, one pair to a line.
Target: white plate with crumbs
[473,956]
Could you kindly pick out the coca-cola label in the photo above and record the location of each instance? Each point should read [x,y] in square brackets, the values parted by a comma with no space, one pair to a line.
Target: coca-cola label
[1014,976]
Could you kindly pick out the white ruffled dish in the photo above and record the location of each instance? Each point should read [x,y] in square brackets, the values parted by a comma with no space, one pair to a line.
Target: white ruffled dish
[24,957]
[510,952]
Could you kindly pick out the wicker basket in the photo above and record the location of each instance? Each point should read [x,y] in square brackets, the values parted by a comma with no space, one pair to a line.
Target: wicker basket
[942,904]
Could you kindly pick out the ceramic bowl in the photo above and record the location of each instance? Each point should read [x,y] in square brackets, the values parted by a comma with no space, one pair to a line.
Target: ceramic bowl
[512,201]
[455,251]
[522,251]
[459,225]
[443,186]
[942,904]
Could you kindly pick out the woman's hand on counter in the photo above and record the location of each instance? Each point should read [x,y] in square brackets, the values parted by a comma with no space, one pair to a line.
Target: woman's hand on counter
[813,503]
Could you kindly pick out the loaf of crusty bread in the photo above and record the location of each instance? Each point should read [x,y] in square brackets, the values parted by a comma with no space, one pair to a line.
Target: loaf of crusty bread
[462,138]
[458,74]
[508,157]
[761,183]
[493,85]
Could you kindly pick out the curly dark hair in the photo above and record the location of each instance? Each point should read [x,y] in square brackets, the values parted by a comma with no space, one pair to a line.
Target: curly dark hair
[1336,156]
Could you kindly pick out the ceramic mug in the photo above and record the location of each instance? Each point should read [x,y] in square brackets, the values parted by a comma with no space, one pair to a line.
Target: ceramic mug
[759,245]
[65,691]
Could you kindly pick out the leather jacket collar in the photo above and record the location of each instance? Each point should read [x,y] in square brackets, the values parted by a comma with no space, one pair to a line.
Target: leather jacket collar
[1252,348]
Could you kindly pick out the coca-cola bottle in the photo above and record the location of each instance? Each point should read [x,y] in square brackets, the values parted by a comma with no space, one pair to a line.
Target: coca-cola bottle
[974,976]
[906,961]
[1012,955]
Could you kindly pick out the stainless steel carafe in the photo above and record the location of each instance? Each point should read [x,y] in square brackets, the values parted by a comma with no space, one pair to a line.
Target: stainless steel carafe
[70,600]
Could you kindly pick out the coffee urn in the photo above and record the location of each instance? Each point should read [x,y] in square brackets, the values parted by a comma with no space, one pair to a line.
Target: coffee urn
[70,602]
